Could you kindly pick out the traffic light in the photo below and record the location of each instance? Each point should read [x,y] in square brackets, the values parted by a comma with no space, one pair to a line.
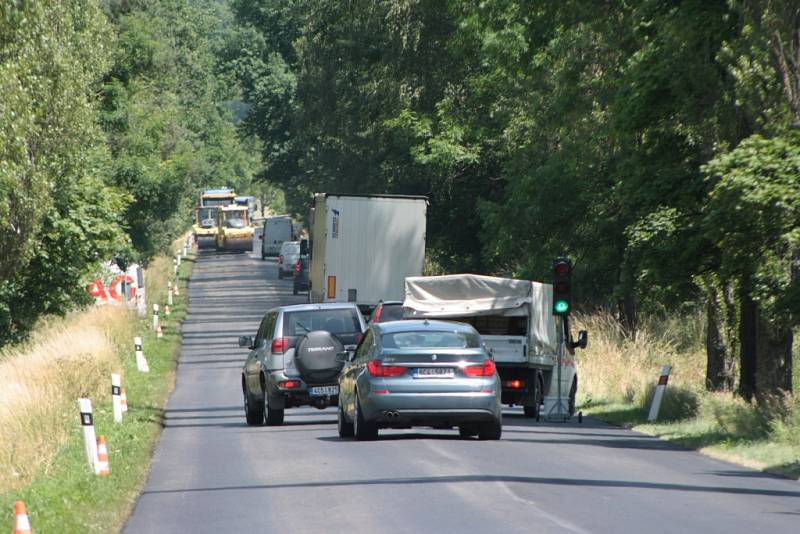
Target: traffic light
[562,286]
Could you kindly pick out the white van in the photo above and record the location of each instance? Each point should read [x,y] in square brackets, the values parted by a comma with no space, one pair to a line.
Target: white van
[276,231]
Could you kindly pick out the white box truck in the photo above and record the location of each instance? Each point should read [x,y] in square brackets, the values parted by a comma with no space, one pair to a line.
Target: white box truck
[364,246]
[515,319]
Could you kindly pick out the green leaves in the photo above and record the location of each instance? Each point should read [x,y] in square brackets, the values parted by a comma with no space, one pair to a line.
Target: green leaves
[753,218]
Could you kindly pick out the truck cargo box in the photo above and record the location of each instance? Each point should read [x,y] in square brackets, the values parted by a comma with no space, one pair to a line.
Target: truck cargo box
[365,246]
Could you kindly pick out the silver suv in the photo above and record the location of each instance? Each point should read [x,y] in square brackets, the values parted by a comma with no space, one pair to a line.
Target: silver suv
[292,360]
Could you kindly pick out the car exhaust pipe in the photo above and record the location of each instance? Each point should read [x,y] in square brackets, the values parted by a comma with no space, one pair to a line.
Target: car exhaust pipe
[391,415]
[321,404]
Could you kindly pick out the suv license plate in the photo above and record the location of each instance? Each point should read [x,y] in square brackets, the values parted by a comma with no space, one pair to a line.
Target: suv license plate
[434,372]
[322,391]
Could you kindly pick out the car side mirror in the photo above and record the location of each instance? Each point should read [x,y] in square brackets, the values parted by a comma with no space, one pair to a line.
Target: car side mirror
[583,340]
[246,341]
[343,356]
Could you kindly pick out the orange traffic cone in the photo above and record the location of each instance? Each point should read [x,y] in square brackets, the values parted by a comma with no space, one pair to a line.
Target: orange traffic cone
[159,332]
[167,311]
[22,524]
[123,399]
[103,469]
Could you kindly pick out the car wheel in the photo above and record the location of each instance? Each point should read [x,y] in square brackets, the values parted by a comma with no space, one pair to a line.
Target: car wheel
[253,413]
[363,430]
[274,416]
[490,431]
[345,428]
[466,432]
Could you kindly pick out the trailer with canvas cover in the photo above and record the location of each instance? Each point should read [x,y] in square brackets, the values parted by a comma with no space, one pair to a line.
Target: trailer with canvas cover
[516,322]
[364,246]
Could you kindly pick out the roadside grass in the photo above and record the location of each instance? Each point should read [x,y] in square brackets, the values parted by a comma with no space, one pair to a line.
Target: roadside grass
[617,379]
[53,477]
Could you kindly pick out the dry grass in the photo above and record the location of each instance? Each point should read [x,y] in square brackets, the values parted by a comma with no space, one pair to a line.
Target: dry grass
[616,367]
[68,358]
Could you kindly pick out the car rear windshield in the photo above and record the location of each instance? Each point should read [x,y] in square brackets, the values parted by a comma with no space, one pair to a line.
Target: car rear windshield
[339,321]
[391,312]
[291,249]
[429,339]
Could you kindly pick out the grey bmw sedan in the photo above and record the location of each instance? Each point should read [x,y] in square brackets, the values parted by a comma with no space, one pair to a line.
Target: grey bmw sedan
[419,373]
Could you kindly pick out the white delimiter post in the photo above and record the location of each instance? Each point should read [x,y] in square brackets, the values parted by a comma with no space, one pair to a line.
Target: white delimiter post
[169,293]
[659,393]
[141,362]
[178,260]
[155,317]
[116,400]
[89,437]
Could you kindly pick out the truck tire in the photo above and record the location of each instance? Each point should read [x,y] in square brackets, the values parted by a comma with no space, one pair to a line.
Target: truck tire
[533,411]
[315,357]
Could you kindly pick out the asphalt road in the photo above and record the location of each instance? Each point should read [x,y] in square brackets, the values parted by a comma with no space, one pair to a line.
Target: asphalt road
[213,473]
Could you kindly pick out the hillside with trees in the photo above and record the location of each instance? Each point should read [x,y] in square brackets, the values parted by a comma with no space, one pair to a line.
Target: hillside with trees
[113,116]
[654,143]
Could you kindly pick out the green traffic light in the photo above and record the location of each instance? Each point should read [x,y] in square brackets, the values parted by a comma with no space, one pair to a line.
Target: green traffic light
[561,306]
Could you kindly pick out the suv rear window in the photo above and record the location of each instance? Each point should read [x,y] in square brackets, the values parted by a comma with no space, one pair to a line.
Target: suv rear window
[339,321]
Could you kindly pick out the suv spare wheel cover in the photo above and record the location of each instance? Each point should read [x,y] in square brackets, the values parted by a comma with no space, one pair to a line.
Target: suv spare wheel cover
[315,356]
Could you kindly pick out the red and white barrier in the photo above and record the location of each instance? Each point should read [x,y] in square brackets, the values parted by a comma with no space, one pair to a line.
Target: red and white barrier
[141,362]
[89,437]
[658,395]
[116,401]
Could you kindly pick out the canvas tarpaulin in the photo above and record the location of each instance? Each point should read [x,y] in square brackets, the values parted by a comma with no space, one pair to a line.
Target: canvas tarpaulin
[468,295]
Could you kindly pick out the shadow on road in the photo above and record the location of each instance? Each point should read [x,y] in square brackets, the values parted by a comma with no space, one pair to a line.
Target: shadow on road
[458,479]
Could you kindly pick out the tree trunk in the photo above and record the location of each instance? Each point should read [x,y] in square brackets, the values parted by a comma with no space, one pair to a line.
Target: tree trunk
[628,314]
[773,358]
[715,348]
[747,336]
[722,351]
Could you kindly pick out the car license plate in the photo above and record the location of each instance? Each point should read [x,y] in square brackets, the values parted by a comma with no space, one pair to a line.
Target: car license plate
[434,372]
[322,391]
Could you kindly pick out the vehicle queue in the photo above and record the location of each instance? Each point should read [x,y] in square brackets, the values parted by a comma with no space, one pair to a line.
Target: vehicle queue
[447,354]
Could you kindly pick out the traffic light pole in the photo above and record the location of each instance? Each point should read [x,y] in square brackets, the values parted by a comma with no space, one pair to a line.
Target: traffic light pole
[559,411]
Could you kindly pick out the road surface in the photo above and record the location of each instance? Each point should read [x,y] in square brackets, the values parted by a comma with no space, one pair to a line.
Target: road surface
[213,473]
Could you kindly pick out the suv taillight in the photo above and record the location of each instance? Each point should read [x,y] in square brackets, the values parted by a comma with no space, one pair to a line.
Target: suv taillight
[280,345]
[298,266]
[378,313]
[376,368]
[487,368]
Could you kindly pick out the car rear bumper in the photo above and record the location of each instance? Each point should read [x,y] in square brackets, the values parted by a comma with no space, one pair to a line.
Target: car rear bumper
[431,408]
[298,396]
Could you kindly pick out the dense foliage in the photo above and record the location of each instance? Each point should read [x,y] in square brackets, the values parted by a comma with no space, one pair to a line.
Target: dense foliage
[653,142]
[112,116]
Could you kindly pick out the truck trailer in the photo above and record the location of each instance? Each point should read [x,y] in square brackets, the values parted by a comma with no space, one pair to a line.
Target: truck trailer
[516,322]
[364,247]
